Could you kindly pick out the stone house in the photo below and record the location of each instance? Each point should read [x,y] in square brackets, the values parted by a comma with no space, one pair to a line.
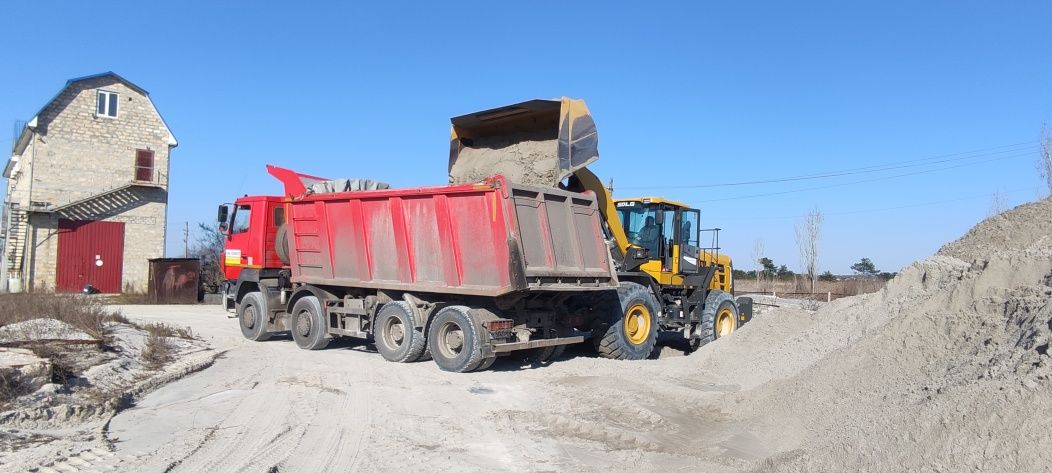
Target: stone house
[87,190]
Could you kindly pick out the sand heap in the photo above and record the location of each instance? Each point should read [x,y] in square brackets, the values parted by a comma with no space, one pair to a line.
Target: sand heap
[525,158]
[946,369]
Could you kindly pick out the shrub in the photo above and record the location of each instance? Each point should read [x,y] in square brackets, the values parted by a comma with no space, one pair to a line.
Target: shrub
[161,329]
[158,350]
[86,313]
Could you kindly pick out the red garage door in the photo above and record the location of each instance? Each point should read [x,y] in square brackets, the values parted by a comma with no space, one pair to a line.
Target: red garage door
[90,252]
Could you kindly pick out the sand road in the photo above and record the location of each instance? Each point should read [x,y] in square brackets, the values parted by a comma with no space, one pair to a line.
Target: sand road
[272,407]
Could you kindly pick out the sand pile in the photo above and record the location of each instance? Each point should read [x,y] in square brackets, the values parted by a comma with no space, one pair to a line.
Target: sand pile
[525,158]
[946,369]
[42,329]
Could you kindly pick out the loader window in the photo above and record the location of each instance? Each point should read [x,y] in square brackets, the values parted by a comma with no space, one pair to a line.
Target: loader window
[241,218]
[641,227]
[689,228]
[688,236]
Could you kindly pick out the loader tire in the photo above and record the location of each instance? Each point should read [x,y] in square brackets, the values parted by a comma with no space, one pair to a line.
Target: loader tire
[396,336]
[252,317]
[455,341]
[719,318]
[630,328]
[281,244]
[307,324]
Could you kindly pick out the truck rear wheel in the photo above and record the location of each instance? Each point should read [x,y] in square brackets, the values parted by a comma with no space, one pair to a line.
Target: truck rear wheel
[546,354]
[486,363]
[629,331]
[718,319]
[396,336]
[455,341]
[307,323]
[252,317]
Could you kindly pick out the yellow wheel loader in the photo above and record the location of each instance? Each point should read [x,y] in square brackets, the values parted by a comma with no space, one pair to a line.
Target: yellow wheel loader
[668,280]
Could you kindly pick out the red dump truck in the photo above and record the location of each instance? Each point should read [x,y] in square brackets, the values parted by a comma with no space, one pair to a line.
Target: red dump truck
[458,273]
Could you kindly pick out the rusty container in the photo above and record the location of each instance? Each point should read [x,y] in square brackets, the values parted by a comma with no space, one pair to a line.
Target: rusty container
[175,280]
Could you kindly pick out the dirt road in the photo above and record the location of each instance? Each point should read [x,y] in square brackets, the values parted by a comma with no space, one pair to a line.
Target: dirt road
[273,407]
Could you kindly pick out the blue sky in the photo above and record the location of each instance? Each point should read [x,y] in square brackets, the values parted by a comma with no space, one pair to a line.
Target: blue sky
[691,94]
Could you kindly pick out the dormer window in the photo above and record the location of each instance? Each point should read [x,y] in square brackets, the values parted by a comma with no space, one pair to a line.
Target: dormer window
[107,104]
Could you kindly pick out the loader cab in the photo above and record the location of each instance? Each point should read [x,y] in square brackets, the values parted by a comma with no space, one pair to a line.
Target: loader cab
[670,233]
[249,227]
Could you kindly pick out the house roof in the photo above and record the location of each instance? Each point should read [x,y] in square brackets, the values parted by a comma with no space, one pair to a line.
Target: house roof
[23,138]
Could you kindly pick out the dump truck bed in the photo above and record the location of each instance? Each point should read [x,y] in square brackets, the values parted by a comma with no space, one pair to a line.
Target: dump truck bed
[486,239]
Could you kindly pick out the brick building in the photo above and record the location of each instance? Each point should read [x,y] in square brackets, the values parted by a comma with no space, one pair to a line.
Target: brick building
[87,190]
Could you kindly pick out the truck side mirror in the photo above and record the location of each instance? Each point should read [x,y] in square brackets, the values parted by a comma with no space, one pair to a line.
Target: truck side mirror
[224,212]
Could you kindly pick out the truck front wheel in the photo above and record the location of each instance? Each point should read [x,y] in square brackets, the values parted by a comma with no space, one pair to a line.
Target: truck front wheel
[307,323]
[396,336]
[627,329]
[455,341]
[252,317]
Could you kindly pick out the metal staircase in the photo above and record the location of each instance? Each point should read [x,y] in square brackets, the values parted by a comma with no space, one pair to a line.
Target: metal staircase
[106,202]
[15,230]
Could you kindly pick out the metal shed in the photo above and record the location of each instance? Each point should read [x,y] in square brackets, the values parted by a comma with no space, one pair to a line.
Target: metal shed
[175,280]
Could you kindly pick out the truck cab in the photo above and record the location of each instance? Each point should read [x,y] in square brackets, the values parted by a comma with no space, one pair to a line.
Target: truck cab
[250,226]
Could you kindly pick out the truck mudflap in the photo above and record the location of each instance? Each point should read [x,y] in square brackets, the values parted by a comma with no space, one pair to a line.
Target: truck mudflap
[545,342]
[744,309]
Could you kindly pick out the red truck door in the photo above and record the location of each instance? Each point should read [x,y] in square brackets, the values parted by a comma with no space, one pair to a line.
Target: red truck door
[239,251]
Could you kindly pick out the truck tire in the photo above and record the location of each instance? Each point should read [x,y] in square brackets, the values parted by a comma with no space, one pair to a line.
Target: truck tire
[307,324]
[252,317]
[455,341]
[719,318]
[547,354]
[281,244]
[630,328]
[486,363]
[396,336]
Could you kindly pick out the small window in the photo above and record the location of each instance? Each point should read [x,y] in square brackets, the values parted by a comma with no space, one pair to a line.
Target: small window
[144,165]
[107,104]
[241,217]
[279,216]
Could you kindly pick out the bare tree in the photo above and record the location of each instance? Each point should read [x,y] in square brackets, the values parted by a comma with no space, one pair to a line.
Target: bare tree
[1045,164]
[209,248]
[757,255]
[808,235]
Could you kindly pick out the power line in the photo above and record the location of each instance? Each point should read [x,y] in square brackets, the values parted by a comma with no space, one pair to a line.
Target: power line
[884,209]
[945,158]
[882,178]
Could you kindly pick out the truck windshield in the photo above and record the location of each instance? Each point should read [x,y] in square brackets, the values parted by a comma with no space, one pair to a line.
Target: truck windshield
[640,225]
[241,218]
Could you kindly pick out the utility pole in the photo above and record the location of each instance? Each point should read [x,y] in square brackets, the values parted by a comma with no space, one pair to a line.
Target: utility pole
[186,240]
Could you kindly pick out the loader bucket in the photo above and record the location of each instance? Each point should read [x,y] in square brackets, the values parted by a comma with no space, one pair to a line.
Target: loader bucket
[539,142]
